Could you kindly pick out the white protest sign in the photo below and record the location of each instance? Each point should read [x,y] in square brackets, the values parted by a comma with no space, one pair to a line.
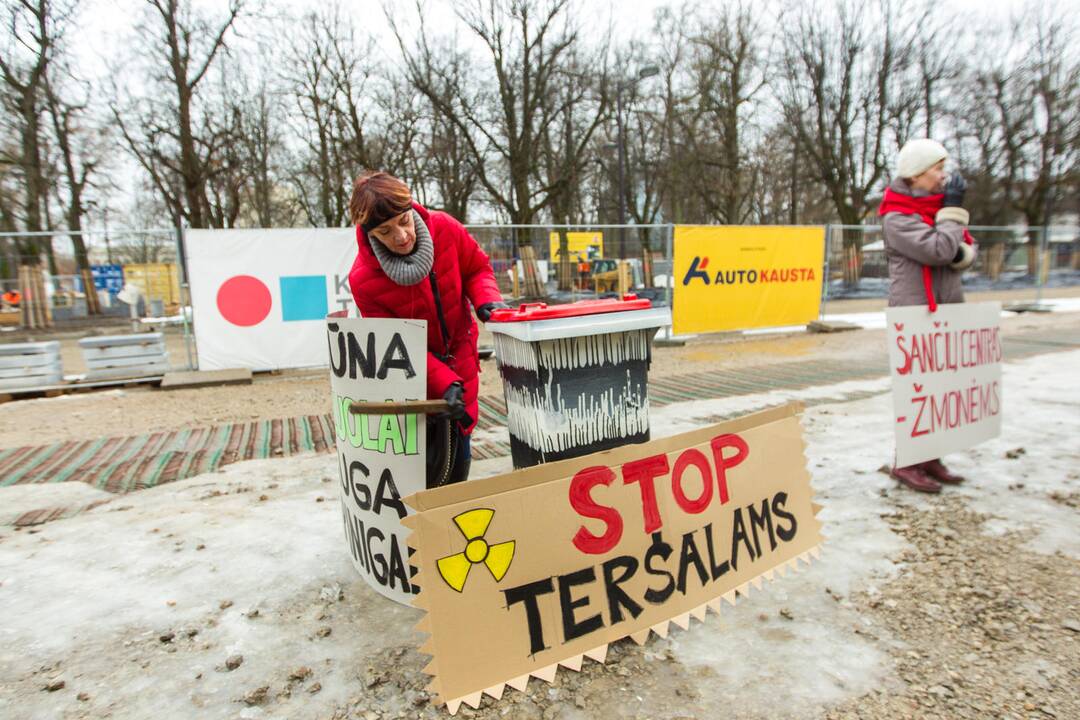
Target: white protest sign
[260,296]
[381,458]
[946,378]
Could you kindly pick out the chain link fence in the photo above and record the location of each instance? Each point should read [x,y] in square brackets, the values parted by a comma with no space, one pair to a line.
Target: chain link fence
[571,262]
[147,259]
[576,261]
[1009,258]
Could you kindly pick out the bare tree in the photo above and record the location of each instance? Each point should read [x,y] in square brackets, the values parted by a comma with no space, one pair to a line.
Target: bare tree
[262,137]
[165,128]
[1020,112]
[24,61]
[78,153]
[529,46]
[846,83]
[728,69]
[328,84]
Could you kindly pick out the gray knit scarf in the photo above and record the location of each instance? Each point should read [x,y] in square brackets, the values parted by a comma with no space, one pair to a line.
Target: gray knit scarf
[412,268]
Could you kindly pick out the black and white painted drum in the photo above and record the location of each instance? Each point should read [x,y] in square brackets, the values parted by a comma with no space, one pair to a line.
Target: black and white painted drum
[575,385]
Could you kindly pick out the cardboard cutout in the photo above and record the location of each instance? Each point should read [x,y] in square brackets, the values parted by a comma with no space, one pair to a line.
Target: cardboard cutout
[946,378]
[541,567]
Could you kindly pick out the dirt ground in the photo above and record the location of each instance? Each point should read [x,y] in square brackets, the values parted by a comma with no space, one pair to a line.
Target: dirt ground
[131,411]
[238,600]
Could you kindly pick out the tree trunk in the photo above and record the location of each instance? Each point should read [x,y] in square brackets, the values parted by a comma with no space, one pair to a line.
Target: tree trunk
[566,268]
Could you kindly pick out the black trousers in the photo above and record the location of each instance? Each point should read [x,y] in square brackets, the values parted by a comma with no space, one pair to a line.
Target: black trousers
[449,453]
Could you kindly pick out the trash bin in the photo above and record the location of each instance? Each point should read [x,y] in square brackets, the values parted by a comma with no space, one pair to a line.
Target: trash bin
[575,376]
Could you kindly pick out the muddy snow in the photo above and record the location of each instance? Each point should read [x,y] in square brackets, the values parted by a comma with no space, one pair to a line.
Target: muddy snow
[231,595]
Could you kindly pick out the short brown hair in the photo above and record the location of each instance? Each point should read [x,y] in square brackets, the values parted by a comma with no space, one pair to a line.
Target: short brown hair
[377,197]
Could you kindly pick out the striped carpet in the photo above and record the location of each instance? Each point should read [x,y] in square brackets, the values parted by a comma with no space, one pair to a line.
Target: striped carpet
[124,464]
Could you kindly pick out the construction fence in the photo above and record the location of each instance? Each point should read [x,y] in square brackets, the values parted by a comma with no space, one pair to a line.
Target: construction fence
[1009,258]
[559,263]
[41,283]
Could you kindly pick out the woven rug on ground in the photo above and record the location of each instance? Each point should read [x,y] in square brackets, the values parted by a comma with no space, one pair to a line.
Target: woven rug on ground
[124,464]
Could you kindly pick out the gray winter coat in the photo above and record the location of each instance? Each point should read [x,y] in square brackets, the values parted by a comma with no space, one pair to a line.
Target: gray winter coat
[910,243]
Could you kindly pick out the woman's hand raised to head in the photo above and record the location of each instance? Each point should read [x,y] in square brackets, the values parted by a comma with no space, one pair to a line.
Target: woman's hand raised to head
[954,191]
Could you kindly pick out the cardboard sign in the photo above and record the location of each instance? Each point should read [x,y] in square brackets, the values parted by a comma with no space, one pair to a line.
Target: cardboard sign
[380,457]
[734,278]
[946,378]
[537,568]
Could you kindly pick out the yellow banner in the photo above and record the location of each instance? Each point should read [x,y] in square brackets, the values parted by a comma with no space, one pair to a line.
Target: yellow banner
[578,243]
[737,277]
[159,281]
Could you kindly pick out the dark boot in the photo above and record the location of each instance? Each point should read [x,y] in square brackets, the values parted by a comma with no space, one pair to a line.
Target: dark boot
[939,472]
[914,477]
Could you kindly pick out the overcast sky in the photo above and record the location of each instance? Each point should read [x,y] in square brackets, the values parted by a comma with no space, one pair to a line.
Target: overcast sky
[106,25]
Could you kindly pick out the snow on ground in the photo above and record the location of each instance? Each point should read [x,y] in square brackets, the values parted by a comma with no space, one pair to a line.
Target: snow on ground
[876,320]
[139,603]
[19,499]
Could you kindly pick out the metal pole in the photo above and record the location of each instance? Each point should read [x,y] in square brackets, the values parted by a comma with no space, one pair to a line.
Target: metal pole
[185,296]
[825,274]
[669,249]
[1044,248]
[622,167]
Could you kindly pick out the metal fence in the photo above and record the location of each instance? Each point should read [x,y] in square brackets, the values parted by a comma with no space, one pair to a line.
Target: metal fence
[854,267]
[1009,258]
[137,250]
[644,246]
[151,260]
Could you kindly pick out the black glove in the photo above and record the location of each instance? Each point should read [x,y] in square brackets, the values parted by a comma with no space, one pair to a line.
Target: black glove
[954,191]
[484,311]
[455,398]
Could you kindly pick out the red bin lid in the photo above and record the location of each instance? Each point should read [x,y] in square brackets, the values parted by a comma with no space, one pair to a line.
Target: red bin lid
[527,312]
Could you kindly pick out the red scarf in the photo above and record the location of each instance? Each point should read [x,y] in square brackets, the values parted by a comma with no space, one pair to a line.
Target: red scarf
[927,208]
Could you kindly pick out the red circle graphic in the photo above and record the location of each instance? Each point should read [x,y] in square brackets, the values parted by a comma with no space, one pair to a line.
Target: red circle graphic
[244,300]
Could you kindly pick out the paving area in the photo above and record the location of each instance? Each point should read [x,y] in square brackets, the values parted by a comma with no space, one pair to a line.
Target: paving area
[232,594]
[123,464]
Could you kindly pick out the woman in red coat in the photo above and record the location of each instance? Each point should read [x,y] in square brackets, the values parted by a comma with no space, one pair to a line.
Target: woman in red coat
[413,263]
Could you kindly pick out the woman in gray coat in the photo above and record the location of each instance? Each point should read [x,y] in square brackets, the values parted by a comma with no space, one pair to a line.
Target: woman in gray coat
[928,246]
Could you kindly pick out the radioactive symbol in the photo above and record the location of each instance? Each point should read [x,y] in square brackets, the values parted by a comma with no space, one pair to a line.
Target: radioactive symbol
[473,524]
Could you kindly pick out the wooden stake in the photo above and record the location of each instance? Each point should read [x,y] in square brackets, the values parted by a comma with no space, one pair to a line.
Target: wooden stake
[403,407]
[45,306]
[24,303]
[93,307]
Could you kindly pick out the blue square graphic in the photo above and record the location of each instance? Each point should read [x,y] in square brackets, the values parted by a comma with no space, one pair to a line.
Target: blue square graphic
[303,297]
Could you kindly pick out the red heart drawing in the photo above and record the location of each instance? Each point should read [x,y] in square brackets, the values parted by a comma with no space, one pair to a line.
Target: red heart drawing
[899,327]
[917,386]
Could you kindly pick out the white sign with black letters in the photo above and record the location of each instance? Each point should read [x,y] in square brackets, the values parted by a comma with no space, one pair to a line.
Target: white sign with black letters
[946,378]
[381,458]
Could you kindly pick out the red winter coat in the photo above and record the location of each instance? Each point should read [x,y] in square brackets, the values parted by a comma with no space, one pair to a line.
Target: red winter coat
[463,273]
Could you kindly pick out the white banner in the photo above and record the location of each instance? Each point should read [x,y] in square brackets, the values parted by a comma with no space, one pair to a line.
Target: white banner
[259,297]
[381,458]
[946,378]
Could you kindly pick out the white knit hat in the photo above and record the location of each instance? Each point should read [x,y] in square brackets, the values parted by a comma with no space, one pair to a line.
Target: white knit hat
[918,156]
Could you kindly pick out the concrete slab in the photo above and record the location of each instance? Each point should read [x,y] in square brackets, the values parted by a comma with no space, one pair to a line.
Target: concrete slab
[206,378]
[830,326]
